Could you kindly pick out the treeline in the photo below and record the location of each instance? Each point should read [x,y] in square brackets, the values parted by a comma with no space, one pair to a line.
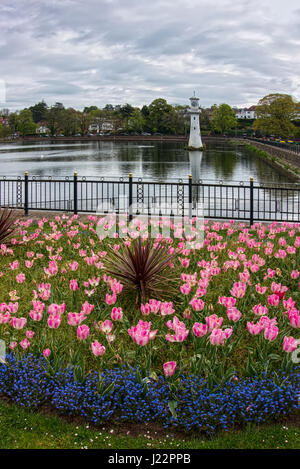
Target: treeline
[277,114]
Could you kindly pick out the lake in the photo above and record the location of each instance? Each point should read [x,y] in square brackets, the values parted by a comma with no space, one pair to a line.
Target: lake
[159,160]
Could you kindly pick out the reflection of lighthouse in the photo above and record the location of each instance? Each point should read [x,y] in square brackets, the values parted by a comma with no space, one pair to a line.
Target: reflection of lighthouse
[195,158]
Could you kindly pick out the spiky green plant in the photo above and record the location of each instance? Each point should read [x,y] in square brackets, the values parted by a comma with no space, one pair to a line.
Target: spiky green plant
[143,268]
[6,224]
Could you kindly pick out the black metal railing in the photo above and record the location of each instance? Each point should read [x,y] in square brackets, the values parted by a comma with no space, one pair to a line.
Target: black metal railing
[248,201]
[294,147]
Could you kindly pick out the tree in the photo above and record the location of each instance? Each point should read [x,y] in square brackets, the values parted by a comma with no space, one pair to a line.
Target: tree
[68,121]
[13,122]
[223,118]
[89,109]
[25,123]
[84,120]
[39,112]
[275,113]
[4,131]
[136,121]
[160,116]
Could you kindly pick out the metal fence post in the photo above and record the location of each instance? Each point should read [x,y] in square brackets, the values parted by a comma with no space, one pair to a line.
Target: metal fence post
[130,197]
[75,193]
[190,196]
[26,193]
[251,201]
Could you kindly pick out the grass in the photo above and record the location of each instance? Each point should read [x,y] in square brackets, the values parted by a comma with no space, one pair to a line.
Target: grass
[26,429]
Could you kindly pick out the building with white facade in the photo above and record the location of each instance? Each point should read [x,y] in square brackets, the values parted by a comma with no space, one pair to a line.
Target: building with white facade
[245,113]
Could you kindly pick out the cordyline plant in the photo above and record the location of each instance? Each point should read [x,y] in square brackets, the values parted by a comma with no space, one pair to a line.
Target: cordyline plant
[6,224]
[144,268]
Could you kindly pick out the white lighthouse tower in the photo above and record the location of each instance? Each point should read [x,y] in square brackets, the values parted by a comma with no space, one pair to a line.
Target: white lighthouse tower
[195,142]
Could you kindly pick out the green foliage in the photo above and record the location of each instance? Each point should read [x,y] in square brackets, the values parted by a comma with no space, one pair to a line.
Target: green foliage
[223,118]
[25,123]
[136,121]
[275,114]
[39,112]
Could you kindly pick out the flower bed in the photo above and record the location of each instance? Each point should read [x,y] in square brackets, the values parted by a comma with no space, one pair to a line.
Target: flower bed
[121,395]
[232,320]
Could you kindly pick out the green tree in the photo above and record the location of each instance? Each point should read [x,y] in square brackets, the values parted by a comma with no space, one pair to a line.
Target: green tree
[89,109]
[68,121]
[275,113]
[39,112]
[25,123]
[161,115]
[223,118]
[136,121]
[13,122]
[54,119]
[4,131]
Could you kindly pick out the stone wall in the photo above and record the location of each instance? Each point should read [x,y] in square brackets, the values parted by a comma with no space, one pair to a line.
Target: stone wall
[282,154]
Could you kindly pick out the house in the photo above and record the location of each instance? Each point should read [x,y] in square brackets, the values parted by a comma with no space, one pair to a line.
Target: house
[42,129]
[245,113]
[98,127]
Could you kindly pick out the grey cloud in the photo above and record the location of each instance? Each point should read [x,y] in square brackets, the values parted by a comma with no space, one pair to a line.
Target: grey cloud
[95,52]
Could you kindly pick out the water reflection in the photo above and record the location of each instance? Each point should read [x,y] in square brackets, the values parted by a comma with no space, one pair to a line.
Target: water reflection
[162,160]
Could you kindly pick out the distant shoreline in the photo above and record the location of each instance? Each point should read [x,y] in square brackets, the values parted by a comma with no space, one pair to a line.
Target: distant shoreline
[113,138]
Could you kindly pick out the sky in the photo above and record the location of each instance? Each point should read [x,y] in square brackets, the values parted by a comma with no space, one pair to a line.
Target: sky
[98,52]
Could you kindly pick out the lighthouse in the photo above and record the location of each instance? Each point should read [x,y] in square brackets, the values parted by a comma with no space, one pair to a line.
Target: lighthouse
[195,142]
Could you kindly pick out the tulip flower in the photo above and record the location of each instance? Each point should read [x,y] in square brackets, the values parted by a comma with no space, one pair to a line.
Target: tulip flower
[169,368]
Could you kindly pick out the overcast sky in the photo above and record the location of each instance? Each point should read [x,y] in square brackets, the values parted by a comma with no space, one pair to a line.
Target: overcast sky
[94,52]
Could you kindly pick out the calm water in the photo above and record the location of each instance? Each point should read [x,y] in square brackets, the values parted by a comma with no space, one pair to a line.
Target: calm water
[156,160]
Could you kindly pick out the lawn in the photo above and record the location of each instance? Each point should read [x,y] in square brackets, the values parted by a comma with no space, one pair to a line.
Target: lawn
[20,428]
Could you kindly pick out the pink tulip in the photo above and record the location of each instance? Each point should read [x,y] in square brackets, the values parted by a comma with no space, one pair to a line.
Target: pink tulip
[217,337]
[166,308]
[199,329]
[238,290]
[233,314]
[106,326]
[254,329]
[97,349]
[5,318]
[185,289]
[25,344]
[213,321]
[87,308]
[74,319]
[141,333]
[13,345]
[197,304]
[273,300]
[73,285]
[294,318]
[110,299]
[20,278]
[46,352]
[117,314]
[29,334]
[290,344]
[18,323]
[54,321]
[145,309]
[180,330]
[36,315]
[169,368]
[260,310]
[83,332]
[271,333]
